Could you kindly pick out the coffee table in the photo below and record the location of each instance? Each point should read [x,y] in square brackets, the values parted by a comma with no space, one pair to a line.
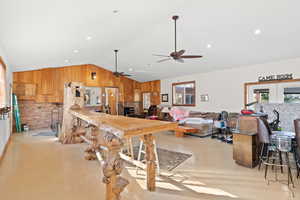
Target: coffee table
[181,130]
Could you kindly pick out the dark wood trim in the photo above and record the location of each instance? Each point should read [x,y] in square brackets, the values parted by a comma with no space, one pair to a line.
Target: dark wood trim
[185,82]
[191,105]
[180,83]
[5,149]
[263,83]
[272,82]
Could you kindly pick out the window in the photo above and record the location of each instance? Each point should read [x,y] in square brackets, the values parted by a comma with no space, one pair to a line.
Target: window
[2,83]
[184,94]
[292,95]
[261,95]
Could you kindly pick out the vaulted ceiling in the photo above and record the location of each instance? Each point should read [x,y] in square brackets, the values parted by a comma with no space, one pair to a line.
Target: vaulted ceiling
[51,33]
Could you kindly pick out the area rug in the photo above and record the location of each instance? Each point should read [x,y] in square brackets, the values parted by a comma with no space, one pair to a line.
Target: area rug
[46,133]
[168,160]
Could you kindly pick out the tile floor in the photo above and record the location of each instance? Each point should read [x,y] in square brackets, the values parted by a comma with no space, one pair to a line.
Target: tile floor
[40,168]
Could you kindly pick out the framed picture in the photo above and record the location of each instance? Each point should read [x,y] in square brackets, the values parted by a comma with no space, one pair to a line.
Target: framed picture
[164,98]
[204,97]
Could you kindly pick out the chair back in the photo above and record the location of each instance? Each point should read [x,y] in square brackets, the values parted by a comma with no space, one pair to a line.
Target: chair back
[297,131]
[263,130]
[152,111]
[224,115]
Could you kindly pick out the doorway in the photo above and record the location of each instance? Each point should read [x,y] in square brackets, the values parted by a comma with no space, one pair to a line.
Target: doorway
[112,99]
[146,100]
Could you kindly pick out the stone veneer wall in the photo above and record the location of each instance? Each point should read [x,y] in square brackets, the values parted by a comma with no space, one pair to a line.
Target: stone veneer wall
[37,115]
[288,112]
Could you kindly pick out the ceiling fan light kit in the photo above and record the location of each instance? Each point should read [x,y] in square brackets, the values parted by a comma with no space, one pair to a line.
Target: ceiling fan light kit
[176,55]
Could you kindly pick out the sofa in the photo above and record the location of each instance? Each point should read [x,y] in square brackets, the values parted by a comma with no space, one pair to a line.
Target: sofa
[206,126]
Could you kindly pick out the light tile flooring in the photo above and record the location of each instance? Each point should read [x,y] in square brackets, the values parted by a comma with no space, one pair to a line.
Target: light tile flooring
[40,168]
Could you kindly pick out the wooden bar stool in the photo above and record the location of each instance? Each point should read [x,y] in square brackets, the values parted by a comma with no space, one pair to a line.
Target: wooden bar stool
[274,151]
[296,148]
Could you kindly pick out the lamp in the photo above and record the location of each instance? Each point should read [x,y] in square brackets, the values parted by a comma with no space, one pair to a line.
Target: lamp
[165,110]
[93,75]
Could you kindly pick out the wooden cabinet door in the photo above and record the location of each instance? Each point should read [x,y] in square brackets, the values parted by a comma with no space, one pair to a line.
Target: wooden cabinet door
[24,91]
[47,82]
[137,95]
[128,90]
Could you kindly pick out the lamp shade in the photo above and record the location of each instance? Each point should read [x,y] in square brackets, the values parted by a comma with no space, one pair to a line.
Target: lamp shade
[165,110]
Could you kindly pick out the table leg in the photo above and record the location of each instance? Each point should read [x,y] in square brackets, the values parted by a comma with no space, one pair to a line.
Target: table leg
[112,167]
[90,151]
[151,165]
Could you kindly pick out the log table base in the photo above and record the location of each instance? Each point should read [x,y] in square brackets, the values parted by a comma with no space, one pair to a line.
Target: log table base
[112,168]
[150,161]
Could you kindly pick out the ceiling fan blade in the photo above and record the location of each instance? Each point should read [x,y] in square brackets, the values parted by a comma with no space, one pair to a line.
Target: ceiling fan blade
[180,60]
[160,55]
[191,56]
[118,74]
[163,60]
[180,53]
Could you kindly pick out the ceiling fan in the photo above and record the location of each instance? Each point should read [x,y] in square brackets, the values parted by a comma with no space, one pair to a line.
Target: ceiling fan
[116,73]
[176,55]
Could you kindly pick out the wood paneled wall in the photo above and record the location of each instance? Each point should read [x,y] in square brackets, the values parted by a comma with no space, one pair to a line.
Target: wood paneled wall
[47,84]
[154,88]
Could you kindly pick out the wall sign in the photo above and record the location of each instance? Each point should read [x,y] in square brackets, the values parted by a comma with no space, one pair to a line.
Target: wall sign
[275,77]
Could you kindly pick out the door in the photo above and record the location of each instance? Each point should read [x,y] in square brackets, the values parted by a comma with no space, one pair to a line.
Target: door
[146,100]
[112,100]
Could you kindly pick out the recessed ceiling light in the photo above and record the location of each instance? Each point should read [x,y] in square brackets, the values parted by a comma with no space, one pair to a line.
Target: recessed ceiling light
[115,11]
[208,46]
[88,37]
[130,69]
[257,32]
[75,50]
[67,61]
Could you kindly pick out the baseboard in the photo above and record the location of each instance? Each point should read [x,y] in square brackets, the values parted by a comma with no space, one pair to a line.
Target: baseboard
[5,149]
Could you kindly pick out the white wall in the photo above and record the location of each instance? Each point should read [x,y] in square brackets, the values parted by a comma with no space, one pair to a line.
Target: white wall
[226,87]
[5,129]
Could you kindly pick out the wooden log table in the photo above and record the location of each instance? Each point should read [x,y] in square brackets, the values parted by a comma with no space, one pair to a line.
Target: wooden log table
[106,132]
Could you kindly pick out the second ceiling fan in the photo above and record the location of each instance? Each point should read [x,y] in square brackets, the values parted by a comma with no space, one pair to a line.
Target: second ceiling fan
[177,55]
[116,73]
